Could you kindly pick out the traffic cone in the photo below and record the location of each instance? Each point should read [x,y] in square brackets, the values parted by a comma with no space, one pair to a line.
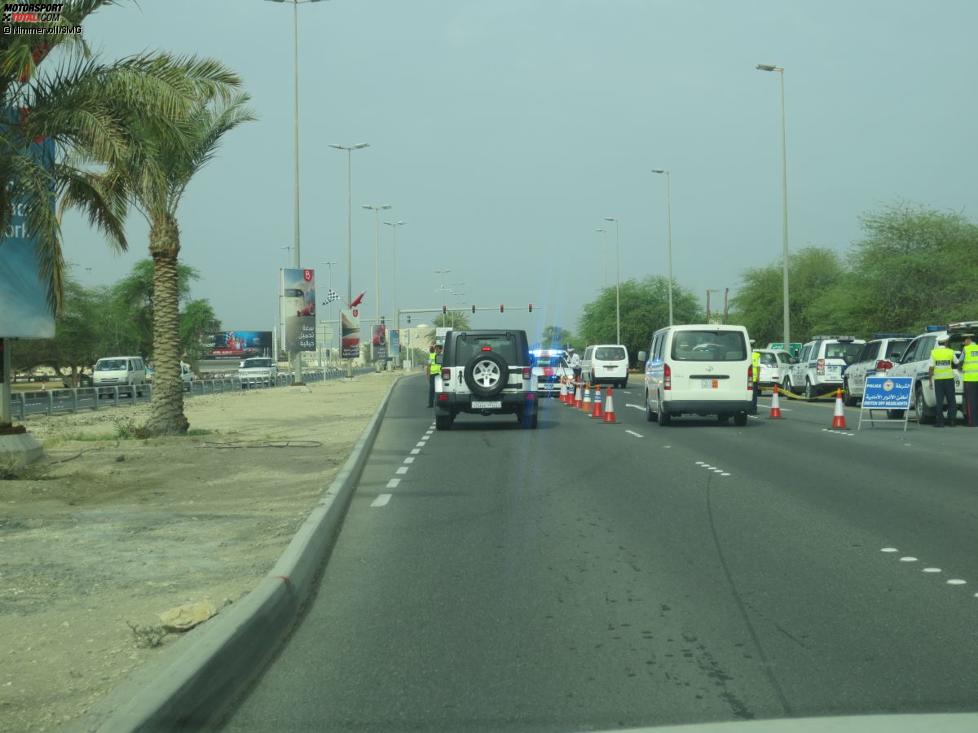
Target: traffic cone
[597,410]
[563,390]
[775,405]
[586,402]
[578,396]
[839,418]
[609,409]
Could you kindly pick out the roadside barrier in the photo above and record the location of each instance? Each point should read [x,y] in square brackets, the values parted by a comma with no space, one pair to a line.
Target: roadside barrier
[839,416]
[597,410]
[609,409]
[775,413]
[792,395]
[586,402]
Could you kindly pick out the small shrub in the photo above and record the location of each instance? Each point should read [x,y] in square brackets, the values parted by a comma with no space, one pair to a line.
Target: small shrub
[147,637]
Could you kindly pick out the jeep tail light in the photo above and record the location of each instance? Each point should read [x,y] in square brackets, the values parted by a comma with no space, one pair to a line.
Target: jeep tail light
[487,348]
[443,397]
[666,377]
[750,378]
[446,374]
[526,372]
[820,366]
[884,365]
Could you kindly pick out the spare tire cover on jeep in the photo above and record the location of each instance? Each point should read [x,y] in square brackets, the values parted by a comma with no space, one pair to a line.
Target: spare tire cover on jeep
[486,374]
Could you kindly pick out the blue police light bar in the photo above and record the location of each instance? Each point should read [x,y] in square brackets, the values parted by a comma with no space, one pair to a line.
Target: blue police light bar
[931,329]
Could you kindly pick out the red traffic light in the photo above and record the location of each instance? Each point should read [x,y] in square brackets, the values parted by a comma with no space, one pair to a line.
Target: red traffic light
[531,307]
[501,308]
[444,309]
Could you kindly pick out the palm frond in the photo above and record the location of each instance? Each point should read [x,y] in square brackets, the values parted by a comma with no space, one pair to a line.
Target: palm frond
[102,197]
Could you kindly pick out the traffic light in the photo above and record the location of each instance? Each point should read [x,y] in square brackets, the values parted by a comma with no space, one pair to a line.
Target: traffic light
[501,308]
[409,320]
[473,309]
[444,310]
[531,307]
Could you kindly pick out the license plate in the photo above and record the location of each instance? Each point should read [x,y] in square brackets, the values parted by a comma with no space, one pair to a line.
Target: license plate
[608,367]
[709,383]
[487,404]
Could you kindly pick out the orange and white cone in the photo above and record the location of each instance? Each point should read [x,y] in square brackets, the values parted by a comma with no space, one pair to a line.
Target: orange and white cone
[568,392]
[596,410]
[586,402]
[775,405]
[609,409]
[578,396]
[563,390]
[839,417]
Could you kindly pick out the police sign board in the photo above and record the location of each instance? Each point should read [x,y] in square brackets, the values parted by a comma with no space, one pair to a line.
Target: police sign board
[886,393]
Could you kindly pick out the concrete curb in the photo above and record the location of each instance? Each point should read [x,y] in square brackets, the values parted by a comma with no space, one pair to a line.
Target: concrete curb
[212,664]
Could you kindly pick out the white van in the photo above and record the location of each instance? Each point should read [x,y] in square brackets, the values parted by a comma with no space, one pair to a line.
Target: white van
[698,370]
[126,372]
[605,363]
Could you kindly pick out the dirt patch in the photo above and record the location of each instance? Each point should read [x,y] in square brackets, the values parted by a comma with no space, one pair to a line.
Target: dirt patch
[111,531]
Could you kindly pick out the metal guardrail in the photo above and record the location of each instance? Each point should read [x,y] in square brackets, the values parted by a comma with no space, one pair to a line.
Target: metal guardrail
[65,400]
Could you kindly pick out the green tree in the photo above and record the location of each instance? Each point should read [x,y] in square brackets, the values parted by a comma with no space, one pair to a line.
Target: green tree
[82,105]
[644,309]
[813,272]
[196,320]
[130,307]
[154,177]
[458,320]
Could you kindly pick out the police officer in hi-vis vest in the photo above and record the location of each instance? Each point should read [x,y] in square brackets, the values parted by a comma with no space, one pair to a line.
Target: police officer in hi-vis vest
[969,375]
[755,372]
[941,374]
[433,368]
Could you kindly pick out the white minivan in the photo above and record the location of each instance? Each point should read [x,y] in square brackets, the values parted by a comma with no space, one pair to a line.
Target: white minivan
[126,372]
[702,369]
[605,363]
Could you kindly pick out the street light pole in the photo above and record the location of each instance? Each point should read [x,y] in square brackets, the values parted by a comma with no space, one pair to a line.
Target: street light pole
[394,226]
[377,208]
[617,278]
[668,176]
[349,214]
[604,251]
[784,199]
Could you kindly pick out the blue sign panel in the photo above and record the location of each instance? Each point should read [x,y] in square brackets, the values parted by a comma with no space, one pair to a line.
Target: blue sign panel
[887,393]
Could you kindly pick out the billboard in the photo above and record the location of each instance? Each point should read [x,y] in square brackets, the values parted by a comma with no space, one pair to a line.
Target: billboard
[237,344]
[24,309]
[379,342]
[297,298]
[394,339]
[349,333]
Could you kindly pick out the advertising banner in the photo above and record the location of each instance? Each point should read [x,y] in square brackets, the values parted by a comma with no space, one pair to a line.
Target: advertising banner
[24,310]
[237,344]
[379,342]
[887,393]
[394,342]
[349,333]
[297,296]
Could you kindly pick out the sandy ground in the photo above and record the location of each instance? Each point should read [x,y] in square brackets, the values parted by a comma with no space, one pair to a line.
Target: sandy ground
[112,531]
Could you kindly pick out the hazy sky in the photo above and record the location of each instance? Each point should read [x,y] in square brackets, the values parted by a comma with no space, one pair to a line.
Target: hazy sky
[503,131]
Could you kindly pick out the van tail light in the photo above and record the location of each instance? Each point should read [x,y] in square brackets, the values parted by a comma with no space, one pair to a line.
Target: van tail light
[526,372]
[820,366]
[446,374]
[884,365]
[750,378]
[666,377]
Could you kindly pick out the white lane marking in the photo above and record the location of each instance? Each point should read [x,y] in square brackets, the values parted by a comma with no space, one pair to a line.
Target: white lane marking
[717,470]
[415,451]
[707,465]
[632,432]
[889,549]
[409,459]
[724,474]
[932,570]
[908,558]
[392,484]
[768,405]
[699,463]
[956,581]
[667,446]
[419,444]
[401,470]
[637,407]
[626,391]
[753,417]
[381,500]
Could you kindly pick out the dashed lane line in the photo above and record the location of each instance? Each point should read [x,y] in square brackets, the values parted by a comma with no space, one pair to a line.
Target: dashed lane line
[401,470]
[409,460]
[632,432]
[930,570]
[392,484]
[381,500]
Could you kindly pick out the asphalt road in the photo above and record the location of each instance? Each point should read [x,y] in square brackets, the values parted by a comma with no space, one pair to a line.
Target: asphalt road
[588,576]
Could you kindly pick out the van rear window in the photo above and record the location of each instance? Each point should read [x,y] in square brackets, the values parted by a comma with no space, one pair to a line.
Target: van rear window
[709,346]
[609,353]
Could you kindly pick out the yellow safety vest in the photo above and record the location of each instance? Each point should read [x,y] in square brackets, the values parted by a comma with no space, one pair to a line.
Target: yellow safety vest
[756,365]
[969,363]
[433,367]
[943,359]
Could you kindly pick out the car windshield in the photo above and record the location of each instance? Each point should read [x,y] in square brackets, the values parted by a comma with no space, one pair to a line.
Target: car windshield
[609,353]
[769,359]
[468,345]
[848,351]
[709,346]
[110,365]
[254,363]
[895,348]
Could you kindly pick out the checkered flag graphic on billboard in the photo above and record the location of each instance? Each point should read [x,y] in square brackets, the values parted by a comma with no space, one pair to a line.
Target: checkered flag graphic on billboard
[331,296]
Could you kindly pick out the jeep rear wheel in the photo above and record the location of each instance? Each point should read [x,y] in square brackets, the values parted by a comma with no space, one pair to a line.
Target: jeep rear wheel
[486,374]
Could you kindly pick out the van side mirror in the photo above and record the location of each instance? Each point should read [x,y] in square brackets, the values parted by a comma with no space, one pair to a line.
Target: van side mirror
[642,356]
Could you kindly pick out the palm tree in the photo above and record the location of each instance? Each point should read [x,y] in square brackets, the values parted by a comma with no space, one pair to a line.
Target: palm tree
[154,179]
[82,106]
